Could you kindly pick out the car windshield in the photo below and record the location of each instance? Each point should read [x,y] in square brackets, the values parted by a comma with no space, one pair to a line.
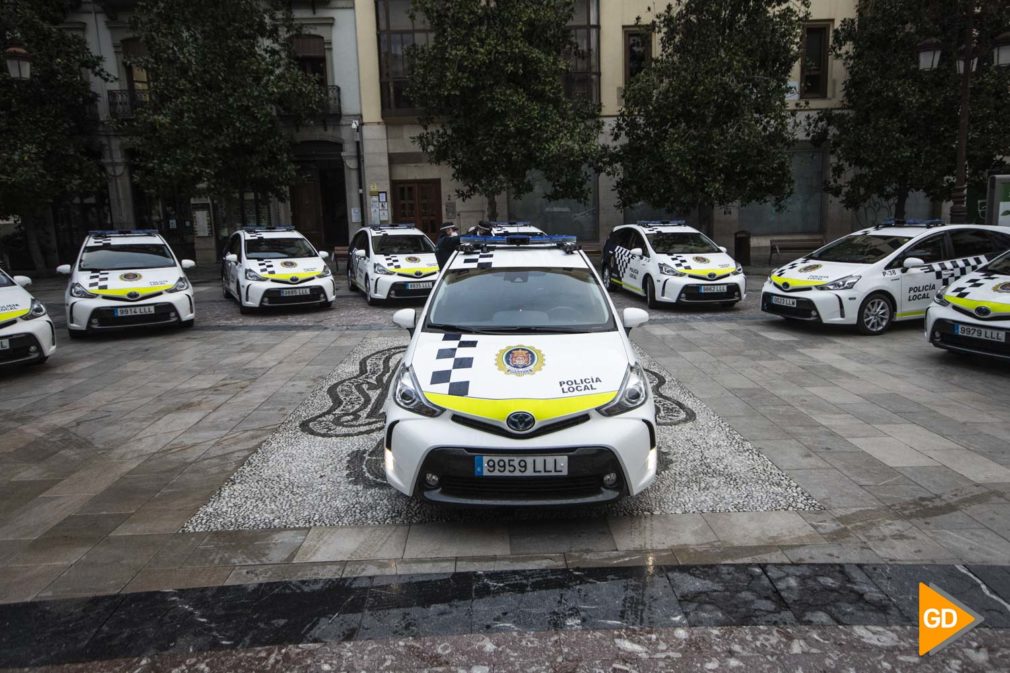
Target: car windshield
[860,248]
[521,300]
[5,280]
[401,245]
[133,256]
[1000,265]
[278,248]
[680,243]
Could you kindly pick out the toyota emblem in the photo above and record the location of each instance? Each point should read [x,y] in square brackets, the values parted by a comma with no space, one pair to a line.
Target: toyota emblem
[711,275]
[983,311]
[785,286]
[133,295]
[520,421]
[417,273]
[294,279]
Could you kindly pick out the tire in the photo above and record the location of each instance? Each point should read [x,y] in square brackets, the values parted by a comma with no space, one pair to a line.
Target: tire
[650,293]
[727,304]
[608,281]
[242,308]
[77,333]
[40,361]
[325,305]
[351,287]
[369,299]
[876,314]
[186,324]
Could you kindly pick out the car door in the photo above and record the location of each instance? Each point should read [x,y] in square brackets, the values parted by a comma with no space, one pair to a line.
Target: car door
[360,264]
[638,264]
[231,269]
[972,248]
[919,284]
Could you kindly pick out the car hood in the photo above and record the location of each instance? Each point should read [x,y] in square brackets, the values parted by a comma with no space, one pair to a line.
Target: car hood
[413,265]
[288,270]
[983,294]
[808,273]
[15,302]
[707,265]
[129,283]
[491,376]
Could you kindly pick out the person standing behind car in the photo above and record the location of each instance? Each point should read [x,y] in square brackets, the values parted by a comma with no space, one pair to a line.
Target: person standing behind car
[448,243]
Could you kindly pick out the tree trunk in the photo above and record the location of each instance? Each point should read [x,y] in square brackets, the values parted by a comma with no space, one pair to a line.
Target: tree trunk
[32,239]
[492,207]
[899,204]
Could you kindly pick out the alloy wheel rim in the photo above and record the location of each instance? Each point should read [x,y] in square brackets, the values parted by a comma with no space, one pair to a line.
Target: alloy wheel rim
[877,314]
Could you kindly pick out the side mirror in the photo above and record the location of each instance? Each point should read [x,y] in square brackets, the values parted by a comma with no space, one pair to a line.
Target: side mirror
[633,317]
[360,253]
[23,281]
[231,257]
[723,248]
[63,269]
[912,262]
[323,254]
[187,264]
[637,252]
[405,318]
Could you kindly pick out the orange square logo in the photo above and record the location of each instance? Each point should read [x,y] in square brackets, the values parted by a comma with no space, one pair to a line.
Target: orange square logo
[942,619]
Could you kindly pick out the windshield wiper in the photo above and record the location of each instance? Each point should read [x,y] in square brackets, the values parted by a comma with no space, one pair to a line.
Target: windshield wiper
[457,328]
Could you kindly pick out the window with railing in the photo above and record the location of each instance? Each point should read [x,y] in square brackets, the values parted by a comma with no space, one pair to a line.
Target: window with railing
[814,65]
[583,78]
[397,34]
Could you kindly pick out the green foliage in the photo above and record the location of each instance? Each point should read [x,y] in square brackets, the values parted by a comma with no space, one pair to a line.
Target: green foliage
[47,147]
[222,74]
[707,122]
[897,128]
[488,86]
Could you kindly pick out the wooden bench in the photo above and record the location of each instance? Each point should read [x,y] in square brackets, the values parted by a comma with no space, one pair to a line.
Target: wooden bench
[779,245]
[339,253]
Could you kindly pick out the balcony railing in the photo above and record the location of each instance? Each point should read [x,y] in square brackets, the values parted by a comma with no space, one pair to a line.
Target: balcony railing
[123,103]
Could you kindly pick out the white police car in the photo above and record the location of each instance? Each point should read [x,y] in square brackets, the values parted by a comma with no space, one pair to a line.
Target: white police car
[275,266]
[670,262]
[875,276]
[519,386]
[391,261]
[124,279]
[972,314]
[26,331]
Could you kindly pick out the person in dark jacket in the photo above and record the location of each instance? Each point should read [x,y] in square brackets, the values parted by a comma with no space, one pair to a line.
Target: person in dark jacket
[448,243]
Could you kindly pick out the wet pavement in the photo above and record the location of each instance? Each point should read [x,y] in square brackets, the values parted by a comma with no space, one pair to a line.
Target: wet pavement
[645,612]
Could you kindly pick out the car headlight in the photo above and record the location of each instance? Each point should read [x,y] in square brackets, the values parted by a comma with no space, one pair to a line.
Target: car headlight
[77,290]
[846,283]
[633,393]
[738,270]
[938,298]
[381,270]
[325,273]
[180,285]
[37,310]
[668,270]
[408,395]
[252,275]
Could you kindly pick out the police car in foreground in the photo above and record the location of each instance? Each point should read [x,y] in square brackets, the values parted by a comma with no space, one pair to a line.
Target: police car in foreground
[275,266]
[670,262]
[391,261]
[876,276]
[26,331]
[124,279]
[972,315]
[519,386]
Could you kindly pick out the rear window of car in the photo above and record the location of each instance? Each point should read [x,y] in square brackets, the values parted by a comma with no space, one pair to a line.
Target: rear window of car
[132,256]
[401,245]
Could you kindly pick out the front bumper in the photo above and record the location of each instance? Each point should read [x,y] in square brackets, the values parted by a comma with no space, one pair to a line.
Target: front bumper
[416,445]
[100,314]
[941,331]
[398,287]
[265,294]
[687,290]
[835,308]
[27,341]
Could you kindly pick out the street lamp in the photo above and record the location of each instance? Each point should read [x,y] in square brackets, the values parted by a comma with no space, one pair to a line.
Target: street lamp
[19,62]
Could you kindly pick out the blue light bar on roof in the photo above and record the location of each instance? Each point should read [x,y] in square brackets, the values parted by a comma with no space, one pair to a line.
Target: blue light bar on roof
[891,222]
[667,222]
[518,239]
[123,232]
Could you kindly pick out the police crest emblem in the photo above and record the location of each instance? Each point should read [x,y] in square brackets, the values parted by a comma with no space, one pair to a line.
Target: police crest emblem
[520,360]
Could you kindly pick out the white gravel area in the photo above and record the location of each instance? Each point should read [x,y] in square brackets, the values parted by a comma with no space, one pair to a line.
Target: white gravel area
[323,467]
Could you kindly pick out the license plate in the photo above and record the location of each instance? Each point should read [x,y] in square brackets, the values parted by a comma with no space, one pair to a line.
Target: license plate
[5,344]
[784,301]
[520,466]
[706,289]
[980,333]
[296,291]
[419,286]
[134,310]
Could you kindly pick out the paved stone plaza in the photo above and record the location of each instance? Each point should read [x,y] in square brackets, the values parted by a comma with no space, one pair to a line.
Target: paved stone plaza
[108,450]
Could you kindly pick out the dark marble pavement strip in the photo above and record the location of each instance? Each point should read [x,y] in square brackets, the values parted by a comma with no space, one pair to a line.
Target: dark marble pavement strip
[381,608]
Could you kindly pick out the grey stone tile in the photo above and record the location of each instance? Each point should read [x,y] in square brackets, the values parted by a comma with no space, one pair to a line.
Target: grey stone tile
[730,554]
[284,572]
[353,543]
[436,540]
[970,464]
[935,479]
[892,452]
[18,584]
[862,468]
[992,515]
[832,489]
[152,520]
[761,528]
[159,579]
[619,559]
[832,553]
[247,548]
[660,531]
[512,562]
[790,454]
[903,541]
[552,536]
[974,545]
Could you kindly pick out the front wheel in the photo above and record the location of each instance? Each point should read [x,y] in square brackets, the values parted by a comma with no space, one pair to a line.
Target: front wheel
[608,280]
[186,324]
[875,315]
[369,299]
[650,293]
[350,280]
[326,305]
[76,333]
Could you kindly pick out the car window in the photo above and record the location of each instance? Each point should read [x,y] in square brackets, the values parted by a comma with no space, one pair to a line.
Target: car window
[673,243]
[638,241]
[358,240]
[278,248]
[860,248]
[520,300]
[6,281]
[929,250]
[620,237]
[1000,241]
[972,242]
[235,246]
[133,256]
[403,245]
[1000,265]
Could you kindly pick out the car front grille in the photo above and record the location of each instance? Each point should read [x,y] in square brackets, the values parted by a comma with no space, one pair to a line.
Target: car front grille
[804,309]
[694,293]
[502,432]
[274,297]
[943,334]
[106,317]
[20,348]
[521,488]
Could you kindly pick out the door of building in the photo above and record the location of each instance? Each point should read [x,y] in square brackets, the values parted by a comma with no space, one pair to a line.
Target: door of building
[418,202]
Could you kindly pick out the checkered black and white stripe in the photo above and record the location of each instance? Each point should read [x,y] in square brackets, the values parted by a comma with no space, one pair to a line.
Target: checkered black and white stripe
[103,241]
[266,266]
[952,270]
[792,265]
[621,259]
[98,281]
[967,287]
[456,355]
[253,235]
[393,262]
[475,260]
